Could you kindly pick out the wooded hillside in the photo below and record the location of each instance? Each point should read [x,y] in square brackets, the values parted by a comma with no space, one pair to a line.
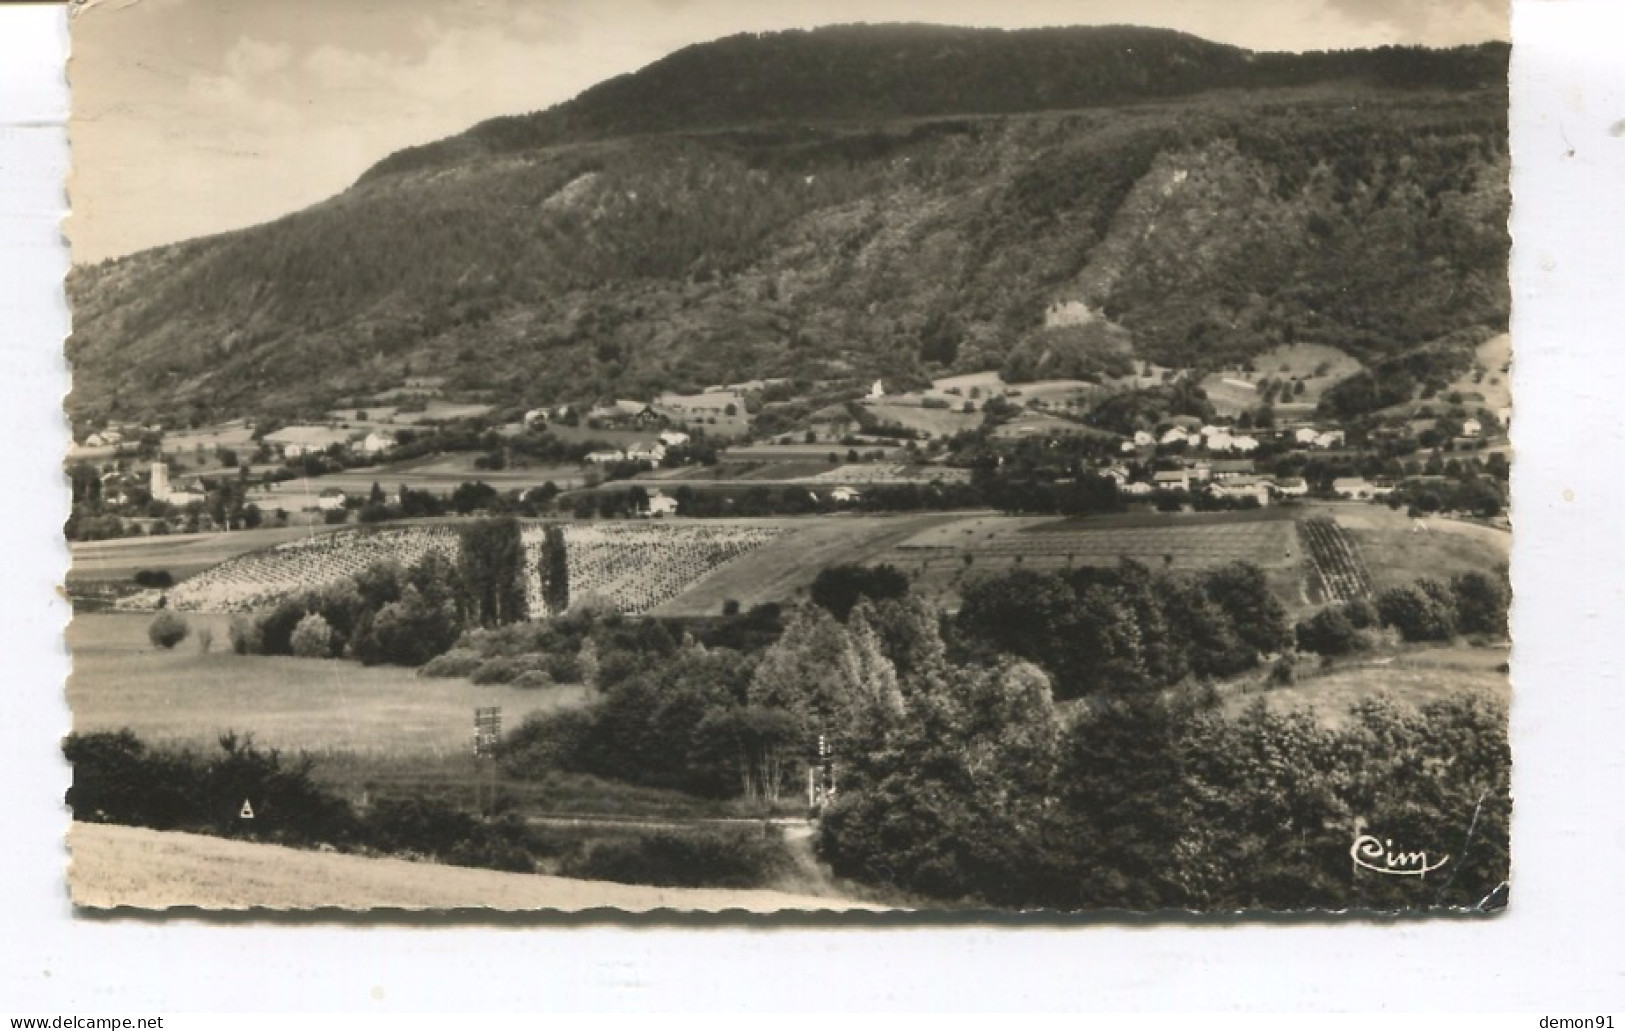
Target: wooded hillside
[872,201]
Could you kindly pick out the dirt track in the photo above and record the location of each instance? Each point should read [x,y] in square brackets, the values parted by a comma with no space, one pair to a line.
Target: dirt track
[146,869]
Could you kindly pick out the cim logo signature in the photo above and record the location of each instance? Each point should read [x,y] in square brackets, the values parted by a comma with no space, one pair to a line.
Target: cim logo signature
[1378,855]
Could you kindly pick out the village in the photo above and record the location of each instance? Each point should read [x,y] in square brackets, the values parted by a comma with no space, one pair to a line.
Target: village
[822,446]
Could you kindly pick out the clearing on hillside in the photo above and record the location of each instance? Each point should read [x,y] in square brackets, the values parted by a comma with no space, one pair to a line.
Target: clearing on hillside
[1318,366]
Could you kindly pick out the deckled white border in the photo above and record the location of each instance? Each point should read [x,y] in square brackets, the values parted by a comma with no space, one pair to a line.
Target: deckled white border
[1558,950]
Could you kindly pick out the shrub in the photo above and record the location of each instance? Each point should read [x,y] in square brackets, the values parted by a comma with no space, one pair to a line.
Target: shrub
[1329,632]
[1481,603]
[154,578]
[733,858]
[244,635]
[167,629]
[312,638]
[505,669]
[459,662]
[533,678]
[1417,613]
[1284,672]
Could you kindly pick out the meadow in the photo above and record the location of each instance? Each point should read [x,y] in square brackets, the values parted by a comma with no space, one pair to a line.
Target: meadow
[1411,677]
[321,706]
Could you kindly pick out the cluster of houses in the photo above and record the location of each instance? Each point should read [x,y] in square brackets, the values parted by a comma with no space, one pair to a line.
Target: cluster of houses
[1220,478]
[643,451]
[298,441]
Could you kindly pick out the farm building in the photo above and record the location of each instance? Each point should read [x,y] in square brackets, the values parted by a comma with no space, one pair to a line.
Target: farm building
[673,438]
[330,500]
[605,457]
[845,495]
[1358,488]
[1225,468]
[1291,486]
[1139,489]
[1172,479]
[660,504]
[1239,487]
[644,451]
[298,441]
[376,443]
[1175,435]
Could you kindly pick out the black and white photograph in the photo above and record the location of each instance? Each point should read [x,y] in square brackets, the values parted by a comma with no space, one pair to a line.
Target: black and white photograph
[964,458]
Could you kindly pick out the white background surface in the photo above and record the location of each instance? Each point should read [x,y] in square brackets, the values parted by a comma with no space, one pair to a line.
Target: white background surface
[1561,948]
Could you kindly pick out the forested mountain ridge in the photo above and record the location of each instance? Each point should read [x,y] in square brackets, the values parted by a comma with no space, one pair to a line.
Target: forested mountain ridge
[578,255]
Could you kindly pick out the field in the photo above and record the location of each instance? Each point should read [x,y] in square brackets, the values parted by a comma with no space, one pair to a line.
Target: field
[1410,677]
[1398,550]
[782,570]
[321,706]
[944,558]
[637,566]
[1234,390]
[1493,361]
[440,474]
[933,422]
[132,866]
[182,554]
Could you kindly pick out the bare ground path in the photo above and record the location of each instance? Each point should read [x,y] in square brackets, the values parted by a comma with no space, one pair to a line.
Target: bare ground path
[132,866]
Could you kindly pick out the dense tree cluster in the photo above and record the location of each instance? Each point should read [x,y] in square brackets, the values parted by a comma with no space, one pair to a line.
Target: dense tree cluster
[1128,629]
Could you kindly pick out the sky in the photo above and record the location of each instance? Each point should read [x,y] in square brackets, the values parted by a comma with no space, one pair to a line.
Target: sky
[193,117]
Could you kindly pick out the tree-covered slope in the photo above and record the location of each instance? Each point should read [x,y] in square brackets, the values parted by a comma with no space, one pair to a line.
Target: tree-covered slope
[621,261]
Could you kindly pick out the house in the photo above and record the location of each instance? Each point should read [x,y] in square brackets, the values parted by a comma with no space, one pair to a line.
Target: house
[1246,444]
[1305,435]
[646,452]
[1220,441]
[330,500]
[1138,489]
[1471,427]
[660,504]
[1358,488]
[673,438]
[1331,438]
[376,443]
[1200,472]
[536,415]
[1175,435]
[1117,473]
[1171,479]
[1239,487]
[845,495]
[1291,486]
[638,413]
[1224,468]
[297,441]
[877,391]
[605,457]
